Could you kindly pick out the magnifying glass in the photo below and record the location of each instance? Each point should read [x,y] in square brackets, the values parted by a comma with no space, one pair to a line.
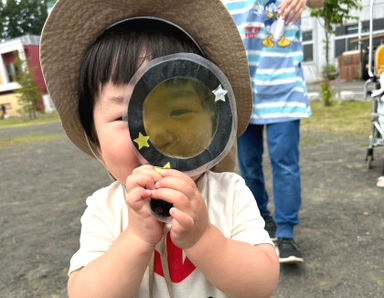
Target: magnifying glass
[181,114]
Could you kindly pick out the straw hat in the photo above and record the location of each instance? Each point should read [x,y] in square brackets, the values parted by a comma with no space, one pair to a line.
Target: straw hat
[74,24]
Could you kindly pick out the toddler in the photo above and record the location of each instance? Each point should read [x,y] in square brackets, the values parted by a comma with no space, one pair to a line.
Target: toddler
[215,244]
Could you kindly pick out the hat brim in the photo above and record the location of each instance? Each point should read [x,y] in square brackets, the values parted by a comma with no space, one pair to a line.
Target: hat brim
[74,24]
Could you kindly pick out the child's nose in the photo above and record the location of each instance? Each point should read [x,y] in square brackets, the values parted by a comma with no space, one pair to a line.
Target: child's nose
[162,138]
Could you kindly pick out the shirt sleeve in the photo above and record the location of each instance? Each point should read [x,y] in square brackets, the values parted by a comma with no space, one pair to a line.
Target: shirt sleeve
[99,228]
[247,224]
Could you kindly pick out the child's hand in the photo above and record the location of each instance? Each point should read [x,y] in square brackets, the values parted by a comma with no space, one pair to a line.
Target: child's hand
[189,214]
[141,222]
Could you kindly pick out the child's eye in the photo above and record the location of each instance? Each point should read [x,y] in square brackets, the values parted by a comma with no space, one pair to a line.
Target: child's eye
[180,112]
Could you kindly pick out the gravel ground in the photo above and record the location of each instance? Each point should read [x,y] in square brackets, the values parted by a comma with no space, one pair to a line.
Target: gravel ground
[44,185]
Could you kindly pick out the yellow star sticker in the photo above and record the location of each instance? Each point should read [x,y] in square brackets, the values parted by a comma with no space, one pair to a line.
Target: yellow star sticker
[142,141]
[167,166]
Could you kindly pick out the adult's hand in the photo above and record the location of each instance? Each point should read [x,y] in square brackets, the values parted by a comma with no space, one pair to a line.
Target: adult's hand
[291,10]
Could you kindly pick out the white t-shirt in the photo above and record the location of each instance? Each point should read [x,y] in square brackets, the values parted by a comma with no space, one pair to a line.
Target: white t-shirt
[231,208]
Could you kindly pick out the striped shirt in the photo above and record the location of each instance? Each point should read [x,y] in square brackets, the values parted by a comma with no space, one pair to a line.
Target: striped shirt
[275,54]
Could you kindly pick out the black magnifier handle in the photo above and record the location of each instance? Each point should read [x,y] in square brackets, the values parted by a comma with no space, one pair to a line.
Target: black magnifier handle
[161,208]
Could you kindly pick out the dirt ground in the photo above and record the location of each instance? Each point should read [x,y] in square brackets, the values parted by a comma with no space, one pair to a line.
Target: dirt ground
[44,186]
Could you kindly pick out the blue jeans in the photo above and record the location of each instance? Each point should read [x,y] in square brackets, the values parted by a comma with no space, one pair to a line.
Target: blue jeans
[283,147]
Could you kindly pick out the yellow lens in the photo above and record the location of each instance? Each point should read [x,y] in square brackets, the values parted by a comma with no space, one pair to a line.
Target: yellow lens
[180,117]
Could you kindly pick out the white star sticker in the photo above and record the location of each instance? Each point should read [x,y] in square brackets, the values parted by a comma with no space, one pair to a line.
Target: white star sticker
[219,93]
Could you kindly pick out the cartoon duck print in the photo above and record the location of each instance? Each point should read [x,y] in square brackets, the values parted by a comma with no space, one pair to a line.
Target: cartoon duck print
[274,24]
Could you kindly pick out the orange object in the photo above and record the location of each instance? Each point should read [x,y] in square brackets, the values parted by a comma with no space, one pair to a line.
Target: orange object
[379,58]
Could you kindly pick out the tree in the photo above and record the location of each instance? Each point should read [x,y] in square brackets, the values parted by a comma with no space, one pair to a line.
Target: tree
[20,17]
[29,93]
[333,12]
[2,16]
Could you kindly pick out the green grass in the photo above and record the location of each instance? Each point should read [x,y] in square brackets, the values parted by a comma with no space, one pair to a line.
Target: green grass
[28,139]
[350,117]
[20,122]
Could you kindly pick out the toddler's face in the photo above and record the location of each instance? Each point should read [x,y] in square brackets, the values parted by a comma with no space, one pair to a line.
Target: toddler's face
[174,118]
[116,148]
[176,121]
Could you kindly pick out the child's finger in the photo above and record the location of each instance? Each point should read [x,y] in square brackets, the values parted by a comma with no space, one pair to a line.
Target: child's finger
[183,186]
[178,181]
[185,231]
[147,170]
[173,173]
[141,180]
[142,168]
[137,197]
[184,221]
[145,178]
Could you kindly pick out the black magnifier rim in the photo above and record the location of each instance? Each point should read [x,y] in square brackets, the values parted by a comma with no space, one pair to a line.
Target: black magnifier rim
[164,71]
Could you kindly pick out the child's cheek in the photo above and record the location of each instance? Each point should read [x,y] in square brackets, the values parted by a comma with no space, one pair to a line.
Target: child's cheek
[119,154]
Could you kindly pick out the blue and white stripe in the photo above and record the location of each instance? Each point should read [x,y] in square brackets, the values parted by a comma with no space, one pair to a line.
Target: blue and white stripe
[279,90]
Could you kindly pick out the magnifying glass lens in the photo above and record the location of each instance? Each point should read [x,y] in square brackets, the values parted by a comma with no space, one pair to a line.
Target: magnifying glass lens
[180,115]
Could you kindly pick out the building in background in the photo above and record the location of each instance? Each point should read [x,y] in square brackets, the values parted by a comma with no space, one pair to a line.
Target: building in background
[27,48]
[348,46]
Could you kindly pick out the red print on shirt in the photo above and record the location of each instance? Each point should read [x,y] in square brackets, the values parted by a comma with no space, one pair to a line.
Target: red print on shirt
[179,269]
[251,31]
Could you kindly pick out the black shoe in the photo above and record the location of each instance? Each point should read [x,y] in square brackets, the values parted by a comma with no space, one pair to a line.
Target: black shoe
[288,251]
[270,226]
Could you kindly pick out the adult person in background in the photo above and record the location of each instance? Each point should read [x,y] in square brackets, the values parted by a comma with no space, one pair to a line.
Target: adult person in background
[3,111]
[272,37]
